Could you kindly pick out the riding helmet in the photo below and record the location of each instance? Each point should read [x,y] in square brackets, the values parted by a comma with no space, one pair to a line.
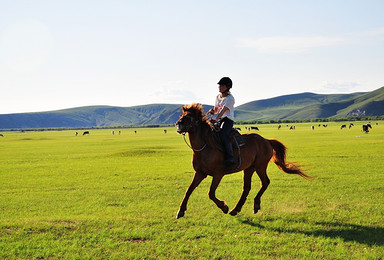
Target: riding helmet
[225,81]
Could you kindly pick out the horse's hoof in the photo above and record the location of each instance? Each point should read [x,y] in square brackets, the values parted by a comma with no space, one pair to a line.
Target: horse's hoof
[225,209]
[233,212]
[256,208]
[180,214]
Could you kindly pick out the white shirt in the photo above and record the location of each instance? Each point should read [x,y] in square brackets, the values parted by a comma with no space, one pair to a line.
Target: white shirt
[229,102]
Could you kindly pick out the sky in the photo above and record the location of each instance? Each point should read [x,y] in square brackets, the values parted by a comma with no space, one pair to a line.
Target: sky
[63,54]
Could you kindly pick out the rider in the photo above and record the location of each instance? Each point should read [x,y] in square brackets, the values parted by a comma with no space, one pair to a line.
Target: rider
[224,108]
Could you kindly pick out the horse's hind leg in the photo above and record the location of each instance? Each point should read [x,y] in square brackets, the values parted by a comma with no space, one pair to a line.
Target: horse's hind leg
[262,172]
[247,180]
[212,193]
[196,181]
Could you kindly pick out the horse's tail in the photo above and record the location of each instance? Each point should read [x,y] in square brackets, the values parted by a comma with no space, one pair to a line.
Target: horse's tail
[279,152]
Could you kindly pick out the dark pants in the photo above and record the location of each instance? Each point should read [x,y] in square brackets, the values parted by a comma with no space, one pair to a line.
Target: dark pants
[226,126]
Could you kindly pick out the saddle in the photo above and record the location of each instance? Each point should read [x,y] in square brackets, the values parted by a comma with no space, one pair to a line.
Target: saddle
[236,138]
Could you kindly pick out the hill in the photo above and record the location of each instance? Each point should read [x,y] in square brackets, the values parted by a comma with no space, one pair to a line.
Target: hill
[296,106]
[363,104]
[94,116]
[283,106]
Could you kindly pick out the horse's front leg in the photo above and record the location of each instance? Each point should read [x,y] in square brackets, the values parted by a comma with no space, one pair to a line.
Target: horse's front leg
[212,193]
[197,178]
[247,180]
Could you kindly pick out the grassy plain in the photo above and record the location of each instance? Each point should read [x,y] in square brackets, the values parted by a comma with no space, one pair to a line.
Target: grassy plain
[116,196]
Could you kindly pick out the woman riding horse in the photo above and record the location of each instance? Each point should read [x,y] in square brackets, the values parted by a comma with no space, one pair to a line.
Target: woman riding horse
[207,159]
[224,108]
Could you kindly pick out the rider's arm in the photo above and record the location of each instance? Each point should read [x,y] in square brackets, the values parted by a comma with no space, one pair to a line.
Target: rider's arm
[222,112]
[213,111]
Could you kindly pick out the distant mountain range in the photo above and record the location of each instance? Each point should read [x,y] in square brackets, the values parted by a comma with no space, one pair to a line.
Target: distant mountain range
[296,106]
[310,105]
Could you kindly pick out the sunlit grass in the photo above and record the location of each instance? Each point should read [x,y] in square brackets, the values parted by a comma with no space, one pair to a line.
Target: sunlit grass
[116,196]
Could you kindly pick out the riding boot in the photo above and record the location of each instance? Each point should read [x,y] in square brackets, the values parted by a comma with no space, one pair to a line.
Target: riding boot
[229,158]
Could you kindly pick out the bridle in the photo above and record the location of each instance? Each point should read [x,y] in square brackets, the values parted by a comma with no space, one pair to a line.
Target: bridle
[188,127]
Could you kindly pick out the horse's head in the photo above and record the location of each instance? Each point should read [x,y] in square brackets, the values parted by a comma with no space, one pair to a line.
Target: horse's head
[191,117]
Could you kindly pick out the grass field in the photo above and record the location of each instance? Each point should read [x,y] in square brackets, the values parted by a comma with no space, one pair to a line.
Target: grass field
[107,196]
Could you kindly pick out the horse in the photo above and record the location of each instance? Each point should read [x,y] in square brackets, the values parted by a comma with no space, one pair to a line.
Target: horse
[208,159]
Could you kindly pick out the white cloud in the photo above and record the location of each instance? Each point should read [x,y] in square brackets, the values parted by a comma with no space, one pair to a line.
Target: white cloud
[300,44]
[284,44]
[174,92]
[375,32]
[339,87]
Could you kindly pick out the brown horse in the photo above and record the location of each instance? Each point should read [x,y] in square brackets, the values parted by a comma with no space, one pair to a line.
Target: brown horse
[209,160]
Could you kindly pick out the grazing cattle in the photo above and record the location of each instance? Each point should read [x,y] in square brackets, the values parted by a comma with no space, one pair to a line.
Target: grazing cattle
[366,128]
[254,128]
[343,126]
[1,135]
[113,132]
[313,127]
[292,127]
[325,125]
[76,134]
[278,128]
[86,133]
[119,132]
[135,132]
[165,131]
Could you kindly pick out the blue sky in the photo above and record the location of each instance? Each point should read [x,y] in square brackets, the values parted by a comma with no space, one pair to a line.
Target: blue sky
[63,54]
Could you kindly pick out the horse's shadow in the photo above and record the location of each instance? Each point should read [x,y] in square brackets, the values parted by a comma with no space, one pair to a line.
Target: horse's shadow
[348,232]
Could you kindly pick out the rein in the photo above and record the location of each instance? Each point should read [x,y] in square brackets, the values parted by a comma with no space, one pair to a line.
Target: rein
[195,150]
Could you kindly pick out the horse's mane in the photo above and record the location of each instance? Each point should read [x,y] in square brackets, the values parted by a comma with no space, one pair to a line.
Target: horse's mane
[196,110]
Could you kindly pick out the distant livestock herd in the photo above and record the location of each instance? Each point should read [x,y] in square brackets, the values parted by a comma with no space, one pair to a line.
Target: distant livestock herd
[365,128]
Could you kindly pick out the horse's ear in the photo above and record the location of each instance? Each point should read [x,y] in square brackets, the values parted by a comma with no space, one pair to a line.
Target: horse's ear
[188,108]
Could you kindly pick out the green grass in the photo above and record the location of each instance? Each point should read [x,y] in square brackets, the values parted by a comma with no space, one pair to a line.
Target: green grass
[104,196]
